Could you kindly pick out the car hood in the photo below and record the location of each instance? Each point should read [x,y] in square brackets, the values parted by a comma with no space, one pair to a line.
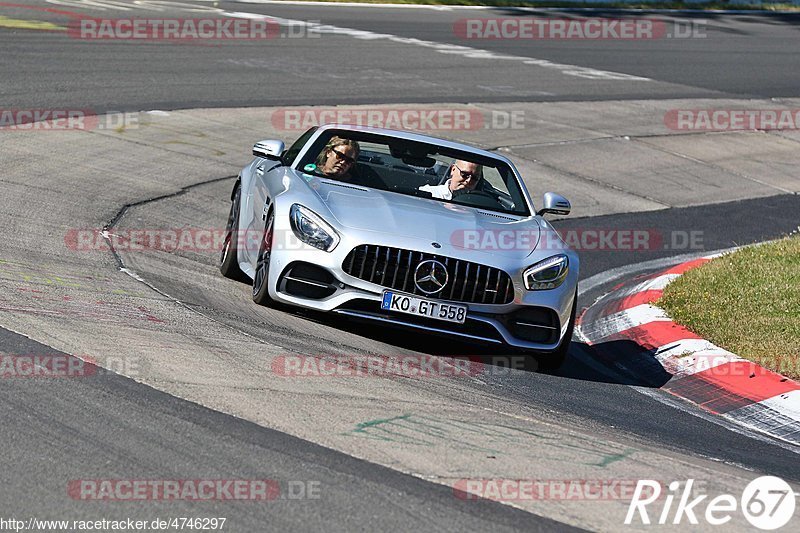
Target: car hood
[456,227]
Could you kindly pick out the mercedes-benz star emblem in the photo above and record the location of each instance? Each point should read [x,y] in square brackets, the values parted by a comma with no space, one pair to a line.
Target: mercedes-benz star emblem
[430,276]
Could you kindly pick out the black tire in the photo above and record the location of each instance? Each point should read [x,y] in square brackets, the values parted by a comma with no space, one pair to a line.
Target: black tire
[228,259]
[552,361]
[261,279]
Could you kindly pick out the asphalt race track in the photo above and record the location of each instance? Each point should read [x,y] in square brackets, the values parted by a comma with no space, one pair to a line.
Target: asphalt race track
[180,380]
[743,56]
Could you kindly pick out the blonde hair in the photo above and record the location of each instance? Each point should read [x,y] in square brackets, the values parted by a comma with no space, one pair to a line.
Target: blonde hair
[333,143]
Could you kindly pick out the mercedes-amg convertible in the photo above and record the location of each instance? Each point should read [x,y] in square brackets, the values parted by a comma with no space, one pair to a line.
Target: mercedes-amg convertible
[405,230]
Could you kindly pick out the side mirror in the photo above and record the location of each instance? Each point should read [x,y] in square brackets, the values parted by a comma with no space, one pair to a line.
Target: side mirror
[555,204]
[269,149]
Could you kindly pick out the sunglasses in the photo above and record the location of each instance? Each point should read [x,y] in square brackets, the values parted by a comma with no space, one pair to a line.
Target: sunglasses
[346,158]
[467,175]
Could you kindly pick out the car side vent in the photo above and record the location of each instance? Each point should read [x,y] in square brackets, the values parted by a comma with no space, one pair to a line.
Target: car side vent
[345,186]
[490,214]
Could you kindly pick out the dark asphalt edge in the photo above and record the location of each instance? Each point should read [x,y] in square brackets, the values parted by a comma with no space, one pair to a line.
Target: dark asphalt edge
[124,209]
[121,266]
[250,433]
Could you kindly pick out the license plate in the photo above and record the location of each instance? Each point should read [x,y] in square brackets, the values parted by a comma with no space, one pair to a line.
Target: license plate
[413,305]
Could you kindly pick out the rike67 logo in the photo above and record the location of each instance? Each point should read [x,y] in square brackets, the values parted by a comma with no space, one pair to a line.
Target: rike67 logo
[767,503]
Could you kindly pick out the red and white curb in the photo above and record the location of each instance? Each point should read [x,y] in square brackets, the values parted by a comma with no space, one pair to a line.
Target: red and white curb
[627,331]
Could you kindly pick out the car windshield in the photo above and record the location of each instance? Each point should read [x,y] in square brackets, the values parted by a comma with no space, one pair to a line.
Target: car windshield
[417,169]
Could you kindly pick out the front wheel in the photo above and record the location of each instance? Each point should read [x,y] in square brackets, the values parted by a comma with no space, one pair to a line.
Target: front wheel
[261,279]
[229,260]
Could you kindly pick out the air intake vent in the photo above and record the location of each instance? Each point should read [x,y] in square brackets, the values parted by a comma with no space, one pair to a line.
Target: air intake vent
[394,268]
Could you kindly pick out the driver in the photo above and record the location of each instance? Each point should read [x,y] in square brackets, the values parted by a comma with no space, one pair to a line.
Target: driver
[338,157]
[338,161]
[464,177]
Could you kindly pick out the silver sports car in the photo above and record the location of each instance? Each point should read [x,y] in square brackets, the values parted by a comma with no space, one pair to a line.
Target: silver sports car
[406,230]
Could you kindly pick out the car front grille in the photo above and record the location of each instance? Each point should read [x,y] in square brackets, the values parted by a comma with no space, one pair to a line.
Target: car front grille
[394,268]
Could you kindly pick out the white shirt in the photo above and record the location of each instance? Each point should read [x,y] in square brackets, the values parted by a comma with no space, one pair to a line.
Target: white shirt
[442,191]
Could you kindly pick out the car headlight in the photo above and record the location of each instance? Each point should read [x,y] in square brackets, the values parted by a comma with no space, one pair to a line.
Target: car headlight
[312,229]
[547,274]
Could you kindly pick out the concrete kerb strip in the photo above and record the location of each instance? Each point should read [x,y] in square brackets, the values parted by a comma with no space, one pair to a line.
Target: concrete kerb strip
[626,330]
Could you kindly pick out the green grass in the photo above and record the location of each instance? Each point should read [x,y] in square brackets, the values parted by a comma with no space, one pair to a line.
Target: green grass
[721,4]
[747,302]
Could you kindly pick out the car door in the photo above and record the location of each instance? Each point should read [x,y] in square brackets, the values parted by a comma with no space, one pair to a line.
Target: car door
[264,170]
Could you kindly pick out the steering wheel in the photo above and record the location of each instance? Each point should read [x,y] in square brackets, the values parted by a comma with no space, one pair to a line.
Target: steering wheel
[478,198]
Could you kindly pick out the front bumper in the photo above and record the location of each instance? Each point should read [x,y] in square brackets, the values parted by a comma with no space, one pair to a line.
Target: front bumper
[539,315]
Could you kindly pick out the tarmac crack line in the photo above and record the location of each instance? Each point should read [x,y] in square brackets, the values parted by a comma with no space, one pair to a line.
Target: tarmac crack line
[121,264]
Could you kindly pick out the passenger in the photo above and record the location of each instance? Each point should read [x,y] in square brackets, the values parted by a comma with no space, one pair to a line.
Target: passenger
[464,177]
